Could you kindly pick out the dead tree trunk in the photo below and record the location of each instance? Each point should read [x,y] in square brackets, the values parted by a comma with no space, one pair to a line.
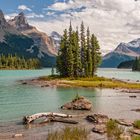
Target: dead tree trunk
[49,116]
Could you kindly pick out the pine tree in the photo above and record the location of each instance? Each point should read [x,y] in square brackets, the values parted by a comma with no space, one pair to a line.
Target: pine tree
[96,55]
[89,57]
[83,50]
[62,58]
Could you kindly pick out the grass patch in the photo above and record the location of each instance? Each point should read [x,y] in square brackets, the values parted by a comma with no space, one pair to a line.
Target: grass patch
[99,82]
[137,124]
[136,138]
[68,133]
[113,130]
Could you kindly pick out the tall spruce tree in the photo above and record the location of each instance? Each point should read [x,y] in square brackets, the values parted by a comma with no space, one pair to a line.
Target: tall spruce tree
[89,57]
[95,52]
[83,50]
[61,63]
[76,53]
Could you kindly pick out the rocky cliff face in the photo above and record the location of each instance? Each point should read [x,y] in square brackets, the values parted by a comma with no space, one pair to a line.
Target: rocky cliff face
[18,37]
[5,27]
[44,43]
[123,52]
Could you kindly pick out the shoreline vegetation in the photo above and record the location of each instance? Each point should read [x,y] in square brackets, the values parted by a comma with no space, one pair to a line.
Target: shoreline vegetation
[14,62]
[87,82]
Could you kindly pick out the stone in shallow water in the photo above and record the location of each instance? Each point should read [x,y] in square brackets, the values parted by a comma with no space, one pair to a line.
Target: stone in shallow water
[80,103]
[100,129]
[18,135]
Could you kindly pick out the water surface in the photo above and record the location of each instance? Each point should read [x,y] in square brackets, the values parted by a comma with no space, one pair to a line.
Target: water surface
[17,100]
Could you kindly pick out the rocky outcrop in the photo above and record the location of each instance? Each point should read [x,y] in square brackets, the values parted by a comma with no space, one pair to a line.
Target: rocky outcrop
[79,103]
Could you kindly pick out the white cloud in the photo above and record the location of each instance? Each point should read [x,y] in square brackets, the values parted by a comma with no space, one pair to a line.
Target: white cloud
[34,15]
[10,16]
[24,8]
[113,21]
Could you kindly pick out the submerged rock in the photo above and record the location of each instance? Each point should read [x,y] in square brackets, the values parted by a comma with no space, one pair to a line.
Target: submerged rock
[136,110]
[124,122]
[79,103]
[100,129]
[97,118]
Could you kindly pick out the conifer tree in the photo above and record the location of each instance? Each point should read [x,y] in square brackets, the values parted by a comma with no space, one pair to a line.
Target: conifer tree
[83,50]
[95,52]
[62,64]
[89,57]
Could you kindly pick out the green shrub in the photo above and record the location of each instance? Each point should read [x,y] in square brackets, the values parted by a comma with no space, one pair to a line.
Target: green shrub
[137,124]
[68,133]
[113,130]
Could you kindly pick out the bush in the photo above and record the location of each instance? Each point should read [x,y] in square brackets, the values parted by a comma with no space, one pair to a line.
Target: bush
[68,133]
[113,130]
[137,124]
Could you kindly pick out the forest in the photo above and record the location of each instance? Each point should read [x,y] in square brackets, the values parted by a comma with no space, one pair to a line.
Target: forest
[15,62]
[136,64]
[79,54]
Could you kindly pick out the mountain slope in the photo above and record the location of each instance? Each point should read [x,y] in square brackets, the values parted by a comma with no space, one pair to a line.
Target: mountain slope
[123,52]
[14,41]
[44,43]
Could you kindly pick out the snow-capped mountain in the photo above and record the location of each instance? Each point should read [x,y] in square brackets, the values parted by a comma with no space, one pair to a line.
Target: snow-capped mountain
[123,52]
[57,39]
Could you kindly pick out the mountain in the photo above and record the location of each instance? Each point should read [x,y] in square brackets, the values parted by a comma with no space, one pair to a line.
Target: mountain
[126,64]
[44,43]
[18,37]
[5,27]
[123,52]
[57,39]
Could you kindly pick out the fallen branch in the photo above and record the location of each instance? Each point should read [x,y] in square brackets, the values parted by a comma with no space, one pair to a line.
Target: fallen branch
[49,117]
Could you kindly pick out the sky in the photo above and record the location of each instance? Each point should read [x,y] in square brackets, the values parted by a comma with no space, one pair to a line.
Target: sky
[112,21]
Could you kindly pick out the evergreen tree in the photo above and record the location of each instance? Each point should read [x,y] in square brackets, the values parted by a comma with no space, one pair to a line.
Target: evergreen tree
[136,64]
[62,65]
[89,57]
[79,54]
[83,50]
[95,52]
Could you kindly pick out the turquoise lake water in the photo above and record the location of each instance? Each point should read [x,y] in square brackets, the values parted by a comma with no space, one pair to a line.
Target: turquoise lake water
[17,100]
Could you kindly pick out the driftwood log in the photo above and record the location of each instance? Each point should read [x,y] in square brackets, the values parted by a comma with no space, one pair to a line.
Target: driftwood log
[49,116]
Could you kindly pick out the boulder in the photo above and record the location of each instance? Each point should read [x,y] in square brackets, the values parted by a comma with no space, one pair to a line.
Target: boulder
[79,103]
[100,129]
[124,122]
[97,118]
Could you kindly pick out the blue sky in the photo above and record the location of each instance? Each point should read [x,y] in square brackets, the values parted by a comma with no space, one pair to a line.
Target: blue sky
[113,21]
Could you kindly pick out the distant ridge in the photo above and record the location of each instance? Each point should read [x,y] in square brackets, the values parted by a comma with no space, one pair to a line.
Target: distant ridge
[123,52]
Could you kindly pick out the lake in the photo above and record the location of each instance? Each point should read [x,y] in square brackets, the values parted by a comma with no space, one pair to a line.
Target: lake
[17,100]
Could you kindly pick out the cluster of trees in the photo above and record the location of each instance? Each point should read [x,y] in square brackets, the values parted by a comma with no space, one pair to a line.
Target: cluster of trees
[15,62]
[136,64]
[79,54]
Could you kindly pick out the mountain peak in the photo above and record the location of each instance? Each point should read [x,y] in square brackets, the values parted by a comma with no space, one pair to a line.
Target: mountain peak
[3,23]
[21,14]
[20,22]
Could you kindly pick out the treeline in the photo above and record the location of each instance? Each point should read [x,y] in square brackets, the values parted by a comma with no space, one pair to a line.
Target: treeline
[15,62]
[136,64]
[79,54]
